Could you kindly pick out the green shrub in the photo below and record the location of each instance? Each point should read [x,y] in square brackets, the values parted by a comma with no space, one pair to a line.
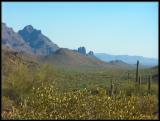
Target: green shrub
[18,83]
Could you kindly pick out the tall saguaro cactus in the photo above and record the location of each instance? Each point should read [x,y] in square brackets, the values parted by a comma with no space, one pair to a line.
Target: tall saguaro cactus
[149,84]
[128,76]
[112,88]
[137,71]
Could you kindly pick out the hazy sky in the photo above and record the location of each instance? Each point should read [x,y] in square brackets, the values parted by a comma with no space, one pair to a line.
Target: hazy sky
[106,27]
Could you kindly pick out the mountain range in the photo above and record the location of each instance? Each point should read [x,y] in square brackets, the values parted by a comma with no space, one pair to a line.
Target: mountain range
[28,40]
[34,43]
[149,62]
[13,41]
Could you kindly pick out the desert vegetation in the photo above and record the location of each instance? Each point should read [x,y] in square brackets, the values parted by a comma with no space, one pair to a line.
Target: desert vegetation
[50,92]
[79,61]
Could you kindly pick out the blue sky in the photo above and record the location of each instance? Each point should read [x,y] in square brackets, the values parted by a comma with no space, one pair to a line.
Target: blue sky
[104,27]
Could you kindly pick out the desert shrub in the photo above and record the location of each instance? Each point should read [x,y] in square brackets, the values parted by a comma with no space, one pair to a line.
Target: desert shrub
[46,102]
[45,73]
[45,93]
[18,83]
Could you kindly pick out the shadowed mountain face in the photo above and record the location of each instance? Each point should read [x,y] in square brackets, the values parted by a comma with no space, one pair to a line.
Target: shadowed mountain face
[40,44]
[13,40]
[28,40]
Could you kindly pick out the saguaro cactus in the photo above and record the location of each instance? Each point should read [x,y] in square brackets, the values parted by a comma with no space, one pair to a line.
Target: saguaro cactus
[137,71]
[149,84]
[112,89]
[128,76]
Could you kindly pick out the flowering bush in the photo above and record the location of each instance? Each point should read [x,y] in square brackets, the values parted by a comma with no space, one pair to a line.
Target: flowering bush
[46,102]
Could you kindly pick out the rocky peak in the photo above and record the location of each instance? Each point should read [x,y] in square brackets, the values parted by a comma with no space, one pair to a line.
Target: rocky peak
[12,40]
[90,53]
[82,50]
[40,44]
[28,32]
[28,28]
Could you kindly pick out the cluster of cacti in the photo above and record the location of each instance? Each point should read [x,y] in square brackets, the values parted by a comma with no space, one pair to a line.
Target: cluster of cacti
[138,78]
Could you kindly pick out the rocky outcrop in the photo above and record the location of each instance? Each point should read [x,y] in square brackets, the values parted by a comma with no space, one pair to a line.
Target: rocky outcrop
[82,50]
[90,53]
[28,40]
[40,44]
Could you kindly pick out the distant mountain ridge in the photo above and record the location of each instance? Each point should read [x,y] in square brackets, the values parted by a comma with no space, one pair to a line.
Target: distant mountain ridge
[65,56]
[128,59]
[71,58]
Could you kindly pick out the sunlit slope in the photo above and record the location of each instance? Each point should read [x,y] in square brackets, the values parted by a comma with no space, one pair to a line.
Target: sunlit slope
[69,58]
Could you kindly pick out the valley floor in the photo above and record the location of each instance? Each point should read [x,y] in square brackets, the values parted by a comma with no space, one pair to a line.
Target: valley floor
[50,92]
